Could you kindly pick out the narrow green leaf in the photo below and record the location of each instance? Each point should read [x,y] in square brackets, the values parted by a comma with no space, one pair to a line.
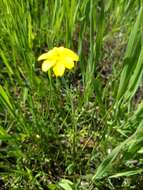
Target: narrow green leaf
[66,184]
[6,62]
[5,98]
[124,79]
[127,173]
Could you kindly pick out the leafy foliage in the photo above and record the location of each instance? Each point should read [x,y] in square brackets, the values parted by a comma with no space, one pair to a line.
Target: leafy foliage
[84,130]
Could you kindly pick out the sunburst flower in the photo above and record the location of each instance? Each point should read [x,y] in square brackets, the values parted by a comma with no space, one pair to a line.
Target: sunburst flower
[59,58]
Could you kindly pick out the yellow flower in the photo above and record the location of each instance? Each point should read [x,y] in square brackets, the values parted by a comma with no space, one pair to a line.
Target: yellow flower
[59,58]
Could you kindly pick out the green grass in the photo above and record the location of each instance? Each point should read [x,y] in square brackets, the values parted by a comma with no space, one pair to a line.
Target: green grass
[84,130]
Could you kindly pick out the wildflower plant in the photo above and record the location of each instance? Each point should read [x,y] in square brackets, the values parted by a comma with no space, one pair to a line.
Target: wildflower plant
[84,131]
[59,58]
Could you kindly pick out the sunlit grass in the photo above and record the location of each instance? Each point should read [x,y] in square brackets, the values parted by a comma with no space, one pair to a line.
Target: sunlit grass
[82,130]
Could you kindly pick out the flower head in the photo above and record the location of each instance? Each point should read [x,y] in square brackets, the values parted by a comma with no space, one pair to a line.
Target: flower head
[59,58]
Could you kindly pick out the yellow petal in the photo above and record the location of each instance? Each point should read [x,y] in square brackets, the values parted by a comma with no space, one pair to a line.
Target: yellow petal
[68,62]
[49,55]
[59,69]
[46,65]
[71,54]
